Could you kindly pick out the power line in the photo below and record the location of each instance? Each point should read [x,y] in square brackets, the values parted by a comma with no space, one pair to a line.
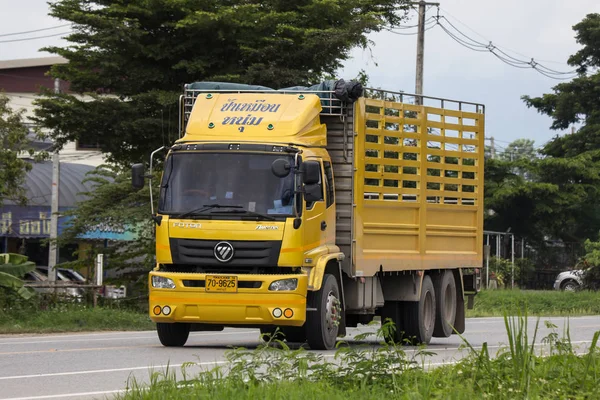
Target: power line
[427,27]
[482,37]
[33,31]
[35,37]
[466,41]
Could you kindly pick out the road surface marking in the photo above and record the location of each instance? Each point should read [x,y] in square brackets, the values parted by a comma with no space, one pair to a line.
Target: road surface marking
[98,371]
[66,335]
[73,350]
[68,340]
[62,396]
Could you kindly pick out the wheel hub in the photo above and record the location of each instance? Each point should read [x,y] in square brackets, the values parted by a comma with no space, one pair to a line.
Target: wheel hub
[332,312]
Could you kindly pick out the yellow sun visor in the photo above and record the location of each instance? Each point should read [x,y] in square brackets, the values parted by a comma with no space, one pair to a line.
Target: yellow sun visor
[256,117]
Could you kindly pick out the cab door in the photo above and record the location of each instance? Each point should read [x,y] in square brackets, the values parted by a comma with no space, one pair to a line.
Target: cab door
[316,225]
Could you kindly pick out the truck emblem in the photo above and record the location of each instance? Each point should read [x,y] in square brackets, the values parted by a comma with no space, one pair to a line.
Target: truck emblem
[267,227]
[224,252]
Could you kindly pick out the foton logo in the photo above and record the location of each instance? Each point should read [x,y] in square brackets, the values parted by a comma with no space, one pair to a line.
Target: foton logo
[223,252]
[191,225]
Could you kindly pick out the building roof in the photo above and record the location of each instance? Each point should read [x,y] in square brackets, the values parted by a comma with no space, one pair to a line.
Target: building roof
[32,62]
[38,184]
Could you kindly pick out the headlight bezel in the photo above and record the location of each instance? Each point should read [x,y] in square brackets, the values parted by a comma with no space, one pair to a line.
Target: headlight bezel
[284,285]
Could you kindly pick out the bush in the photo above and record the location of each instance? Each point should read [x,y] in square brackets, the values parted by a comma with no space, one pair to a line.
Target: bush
[502,269]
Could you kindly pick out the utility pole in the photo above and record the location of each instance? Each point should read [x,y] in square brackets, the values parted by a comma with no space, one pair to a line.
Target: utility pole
[53,251]
[421,49]
[493,146]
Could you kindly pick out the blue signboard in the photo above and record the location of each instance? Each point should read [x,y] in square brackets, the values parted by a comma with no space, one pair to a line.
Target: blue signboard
[34,222]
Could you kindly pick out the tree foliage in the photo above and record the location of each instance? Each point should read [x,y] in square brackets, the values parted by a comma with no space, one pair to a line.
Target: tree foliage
[115,204]
[142,51]
[13,143]
[577,101]
[519,149]
[560,197]
[12,268]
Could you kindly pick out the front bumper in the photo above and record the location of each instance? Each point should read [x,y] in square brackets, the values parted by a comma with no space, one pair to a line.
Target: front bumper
[248,306]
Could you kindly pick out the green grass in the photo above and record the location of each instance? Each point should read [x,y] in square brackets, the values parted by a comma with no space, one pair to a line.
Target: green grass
[72,318]
[493,303]
[387,371]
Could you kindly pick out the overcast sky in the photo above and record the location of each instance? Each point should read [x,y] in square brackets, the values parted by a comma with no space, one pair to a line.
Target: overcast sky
[541,29]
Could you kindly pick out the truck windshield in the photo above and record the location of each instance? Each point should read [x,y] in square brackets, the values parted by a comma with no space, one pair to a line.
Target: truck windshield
[240,180]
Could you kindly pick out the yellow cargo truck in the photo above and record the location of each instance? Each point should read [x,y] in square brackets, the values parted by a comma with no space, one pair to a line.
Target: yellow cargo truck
[297,211]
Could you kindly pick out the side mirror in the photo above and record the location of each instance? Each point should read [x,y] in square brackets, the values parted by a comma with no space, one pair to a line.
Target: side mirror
[281,168]
[313,193]
[311,172]
[137,176]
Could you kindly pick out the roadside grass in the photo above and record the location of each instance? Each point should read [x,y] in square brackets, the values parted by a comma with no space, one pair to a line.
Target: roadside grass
[274,371]
[46,313]
[493,303]
[72,318]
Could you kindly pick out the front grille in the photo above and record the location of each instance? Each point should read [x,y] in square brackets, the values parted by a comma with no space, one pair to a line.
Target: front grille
[246,253]
[200,283]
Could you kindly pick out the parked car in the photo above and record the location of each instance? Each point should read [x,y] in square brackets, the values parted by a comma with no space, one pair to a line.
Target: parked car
[63,274]
[40,276]
[569,280]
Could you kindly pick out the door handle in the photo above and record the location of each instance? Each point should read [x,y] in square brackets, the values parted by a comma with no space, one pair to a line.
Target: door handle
[323,225]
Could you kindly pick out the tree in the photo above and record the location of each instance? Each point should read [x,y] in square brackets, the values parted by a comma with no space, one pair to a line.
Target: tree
[13,142]
[141,53]
[518,149]
[561,196]
[577,101]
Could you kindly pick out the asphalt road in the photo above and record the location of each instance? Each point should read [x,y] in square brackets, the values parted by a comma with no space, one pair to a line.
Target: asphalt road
[98,365]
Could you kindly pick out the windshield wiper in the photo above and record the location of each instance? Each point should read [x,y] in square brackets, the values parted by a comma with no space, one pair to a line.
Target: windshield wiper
[205,207]
[252,213]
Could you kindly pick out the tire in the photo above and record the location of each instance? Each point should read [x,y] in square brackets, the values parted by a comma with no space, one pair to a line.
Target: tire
[393,310]
[445,296]
[173,335]
[322,325]
[294,334]
[288,333]
[419,316]
[267,332]
[570,286]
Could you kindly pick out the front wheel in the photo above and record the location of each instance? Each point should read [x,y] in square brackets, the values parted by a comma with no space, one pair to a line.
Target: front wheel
[173,335]
[570,286]
[322,325]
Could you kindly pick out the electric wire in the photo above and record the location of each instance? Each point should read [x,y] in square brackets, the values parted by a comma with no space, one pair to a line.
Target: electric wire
[478,46]
[33,31]
[35,37]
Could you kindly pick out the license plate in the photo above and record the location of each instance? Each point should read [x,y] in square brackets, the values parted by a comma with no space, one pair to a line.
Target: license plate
[221,283]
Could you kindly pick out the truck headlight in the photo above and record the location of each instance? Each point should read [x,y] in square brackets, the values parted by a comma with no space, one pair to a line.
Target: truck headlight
[284,284]
[162,283]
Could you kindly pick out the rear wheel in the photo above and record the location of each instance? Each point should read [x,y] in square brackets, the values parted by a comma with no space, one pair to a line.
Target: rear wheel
[173,335]
[322,325]
[393,310]
[419,316]
[445,296]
